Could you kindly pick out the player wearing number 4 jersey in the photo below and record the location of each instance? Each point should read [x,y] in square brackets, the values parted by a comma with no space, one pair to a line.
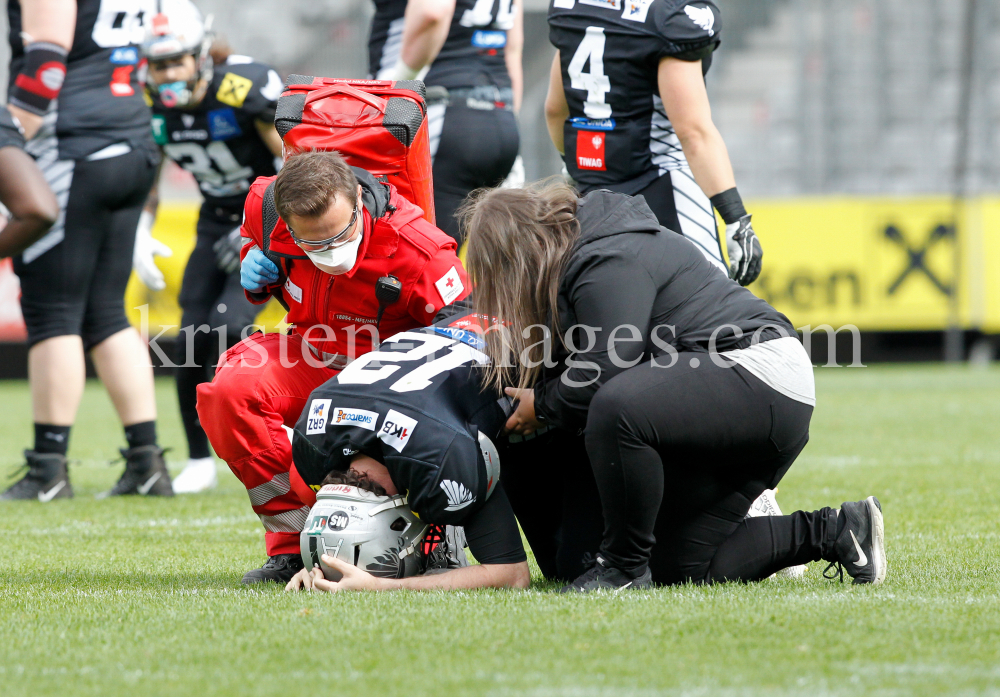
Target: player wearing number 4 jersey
[627,105]
[213,114]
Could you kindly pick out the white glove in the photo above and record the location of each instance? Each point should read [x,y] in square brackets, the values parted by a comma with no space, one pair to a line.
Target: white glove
[515,179]
[146,248]
[401,71]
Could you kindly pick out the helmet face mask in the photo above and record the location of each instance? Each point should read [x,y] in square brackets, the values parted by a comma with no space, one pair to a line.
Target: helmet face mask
[379,534]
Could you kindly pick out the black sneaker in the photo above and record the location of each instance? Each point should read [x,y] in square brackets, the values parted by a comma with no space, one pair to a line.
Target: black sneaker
[46,479]
[860,547]
[145,474]
[602,577]
[279,569]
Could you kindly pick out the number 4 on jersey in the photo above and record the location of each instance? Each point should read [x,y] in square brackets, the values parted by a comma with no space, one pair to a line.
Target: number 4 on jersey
[595,82]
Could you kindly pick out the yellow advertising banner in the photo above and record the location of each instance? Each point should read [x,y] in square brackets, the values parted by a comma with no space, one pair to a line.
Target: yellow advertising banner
[882,264]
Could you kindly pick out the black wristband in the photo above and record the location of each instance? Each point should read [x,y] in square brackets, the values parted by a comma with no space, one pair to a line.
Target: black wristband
[41,77]
[730,205]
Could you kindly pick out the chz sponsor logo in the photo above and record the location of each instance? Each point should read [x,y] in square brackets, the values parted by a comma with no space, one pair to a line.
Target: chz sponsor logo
[396,430]
[354,417]
[592,124]
[125,55]
[466,337]
[319,413]
[489,39]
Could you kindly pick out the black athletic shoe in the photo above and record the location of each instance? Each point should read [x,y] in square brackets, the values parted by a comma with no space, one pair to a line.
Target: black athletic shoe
[145,474]
[45,479]
[601,577]
[860,547]
[279,569]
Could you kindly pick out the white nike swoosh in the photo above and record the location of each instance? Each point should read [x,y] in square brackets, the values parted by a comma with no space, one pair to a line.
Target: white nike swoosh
[144,489]
[862,559]
[46,496]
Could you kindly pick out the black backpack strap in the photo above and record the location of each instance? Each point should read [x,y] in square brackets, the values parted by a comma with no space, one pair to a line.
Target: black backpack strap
[269,221]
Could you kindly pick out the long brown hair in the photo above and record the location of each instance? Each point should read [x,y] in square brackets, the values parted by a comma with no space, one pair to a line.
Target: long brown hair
[518,243]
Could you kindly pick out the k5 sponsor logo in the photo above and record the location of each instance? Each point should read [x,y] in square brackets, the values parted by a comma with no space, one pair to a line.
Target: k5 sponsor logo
[354,417]
[396,430]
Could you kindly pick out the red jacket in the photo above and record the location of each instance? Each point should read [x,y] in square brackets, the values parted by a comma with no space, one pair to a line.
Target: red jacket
[398,241]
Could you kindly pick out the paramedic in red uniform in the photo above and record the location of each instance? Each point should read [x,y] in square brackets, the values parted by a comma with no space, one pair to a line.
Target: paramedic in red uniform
[339,231]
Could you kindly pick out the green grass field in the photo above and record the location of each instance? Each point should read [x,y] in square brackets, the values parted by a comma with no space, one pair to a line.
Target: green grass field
[142,597]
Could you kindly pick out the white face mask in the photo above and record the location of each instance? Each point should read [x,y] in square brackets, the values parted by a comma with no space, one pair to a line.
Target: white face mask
[339,259]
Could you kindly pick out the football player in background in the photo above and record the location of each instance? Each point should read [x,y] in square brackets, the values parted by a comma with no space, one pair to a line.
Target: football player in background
[413,417]
[74,88]
[468,52]
[23,192]
[628,109]
[213,114]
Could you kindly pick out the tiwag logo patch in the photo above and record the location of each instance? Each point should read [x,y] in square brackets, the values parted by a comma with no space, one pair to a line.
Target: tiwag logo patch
[590,150]
[396,430]
[319,413]
[354,417]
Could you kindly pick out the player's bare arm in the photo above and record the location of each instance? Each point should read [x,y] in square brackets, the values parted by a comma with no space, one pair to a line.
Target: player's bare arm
[682,89]
[269,135]
[49,21]
[424,33]
[512,55]
[355,579]
[556,108]
[29,199]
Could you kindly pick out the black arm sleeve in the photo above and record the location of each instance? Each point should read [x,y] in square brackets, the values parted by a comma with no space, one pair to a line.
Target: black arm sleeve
[459,307]
[492,532]
[614,297]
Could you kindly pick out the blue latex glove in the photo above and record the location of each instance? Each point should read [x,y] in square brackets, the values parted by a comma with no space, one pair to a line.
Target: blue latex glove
[257,271]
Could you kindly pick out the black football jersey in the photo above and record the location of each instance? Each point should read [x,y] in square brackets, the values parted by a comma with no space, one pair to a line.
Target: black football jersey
[618,135]
[10,134]
[101,101]
[417,406]
[217,141]
[473,53]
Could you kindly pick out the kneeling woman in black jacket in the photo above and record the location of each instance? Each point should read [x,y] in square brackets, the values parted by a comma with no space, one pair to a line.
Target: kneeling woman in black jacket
[694,395]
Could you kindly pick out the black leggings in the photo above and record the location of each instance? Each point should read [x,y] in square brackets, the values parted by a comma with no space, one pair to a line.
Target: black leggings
[209,299]
[679,455]
[77,287]
[477,149]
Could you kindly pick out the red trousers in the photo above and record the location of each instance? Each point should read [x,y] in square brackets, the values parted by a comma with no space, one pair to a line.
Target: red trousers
[259,389]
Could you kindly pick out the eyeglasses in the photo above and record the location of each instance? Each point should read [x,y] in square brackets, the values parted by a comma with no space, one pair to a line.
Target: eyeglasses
[330,242]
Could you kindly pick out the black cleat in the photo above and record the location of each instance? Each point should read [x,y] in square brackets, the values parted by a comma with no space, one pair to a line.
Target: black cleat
[279,569]
[860,547]
[46,479]
[145,474]
[601,577]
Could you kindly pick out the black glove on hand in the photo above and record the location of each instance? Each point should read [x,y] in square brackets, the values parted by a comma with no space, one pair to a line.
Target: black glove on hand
[227,251]
[745,252]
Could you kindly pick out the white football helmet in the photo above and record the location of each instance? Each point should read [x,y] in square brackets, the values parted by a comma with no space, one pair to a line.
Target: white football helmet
[379,534]
[177,29]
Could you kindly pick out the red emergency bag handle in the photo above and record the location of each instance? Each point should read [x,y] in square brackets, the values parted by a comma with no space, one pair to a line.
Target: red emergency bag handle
[329,90]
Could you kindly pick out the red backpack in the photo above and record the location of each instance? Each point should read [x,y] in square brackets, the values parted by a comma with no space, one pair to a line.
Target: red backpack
[377,125]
